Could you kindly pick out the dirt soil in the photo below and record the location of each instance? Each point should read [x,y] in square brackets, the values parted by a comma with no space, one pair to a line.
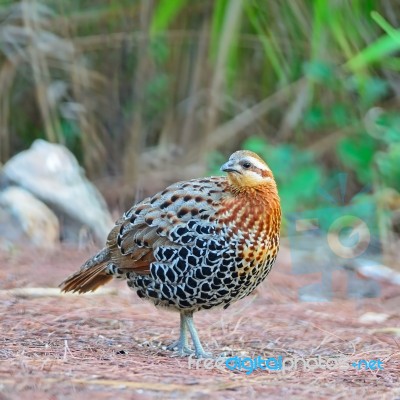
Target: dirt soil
[113,345]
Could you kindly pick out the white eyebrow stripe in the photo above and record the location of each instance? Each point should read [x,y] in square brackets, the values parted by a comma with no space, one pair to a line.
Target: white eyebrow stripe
[258,163]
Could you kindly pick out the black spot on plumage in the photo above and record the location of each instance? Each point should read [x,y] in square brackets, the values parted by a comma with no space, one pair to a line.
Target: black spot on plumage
[160,274]
[186,239]
[165,204]
[140,294]
[174,198]
[198,274]
[223,292]
[168,253]
[205,230]
[165,290]
[183,253]
[180,293]
[198,199]
[132,219]
[159,253]
[189,290]
[198,229]
[170,275]
[220,275]
[227,280]
[182,231]
[182,212]
[184,304]
[146,281]
[206,286]
[223,267]
[217,281]
[194,211]
[206,271]
[140,209]
[196,252]
[204,295]
[212,257]
[226,262]
[181,264]
[191,283]
[149,220]
[187,197]
[201,244]
[191,224]
[192,261]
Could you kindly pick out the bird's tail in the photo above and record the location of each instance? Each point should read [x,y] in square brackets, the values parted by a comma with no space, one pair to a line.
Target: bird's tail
[92,274]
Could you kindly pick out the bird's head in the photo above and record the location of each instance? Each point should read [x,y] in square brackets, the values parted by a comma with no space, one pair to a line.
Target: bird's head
[246,169]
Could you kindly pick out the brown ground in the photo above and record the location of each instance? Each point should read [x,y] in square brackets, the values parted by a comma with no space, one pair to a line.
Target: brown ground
[111,346]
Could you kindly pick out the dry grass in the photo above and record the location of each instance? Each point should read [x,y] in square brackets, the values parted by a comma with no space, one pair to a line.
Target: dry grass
[114,345]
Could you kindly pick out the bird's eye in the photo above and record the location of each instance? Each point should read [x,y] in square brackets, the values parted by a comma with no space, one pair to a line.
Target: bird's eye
[246,165]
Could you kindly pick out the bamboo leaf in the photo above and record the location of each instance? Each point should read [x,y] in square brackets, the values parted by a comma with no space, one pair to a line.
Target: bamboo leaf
[377,50]
[164,14]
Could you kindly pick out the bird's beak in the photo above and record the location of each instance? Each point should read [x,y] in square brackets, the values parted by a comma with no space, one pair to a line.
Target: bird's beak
[230,167]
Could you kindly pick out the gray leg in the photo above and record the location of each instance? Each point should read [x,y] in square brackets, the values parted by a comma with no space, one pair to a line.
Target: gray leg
[181,345]
[199,351]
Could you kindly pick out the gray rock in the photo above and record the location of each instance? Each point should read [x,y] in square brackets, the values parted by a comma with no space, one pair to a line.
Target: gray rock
[23,218]
[52,174]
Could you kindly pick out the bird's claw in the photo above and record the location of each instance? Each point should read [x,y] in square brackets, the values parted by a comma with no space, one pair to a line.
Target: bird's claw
[203,354]
[181,349]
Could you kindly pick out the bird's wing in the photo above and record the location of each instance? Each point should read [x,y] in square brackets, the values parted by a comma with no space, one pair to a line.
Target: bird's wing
[163,220]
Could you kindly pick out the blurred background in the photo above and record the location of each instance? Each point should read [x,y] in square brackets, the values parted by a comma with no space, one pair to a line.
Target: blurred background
[144,93]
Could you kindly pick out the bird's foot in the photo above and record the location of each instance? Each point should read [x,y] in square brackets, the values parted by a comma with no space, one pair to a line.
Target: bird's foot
[181,348]
[203,354]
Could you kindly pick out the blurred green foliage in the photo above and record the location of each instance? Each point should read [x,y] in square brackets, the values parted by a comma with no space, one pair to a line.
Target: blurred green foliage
[312,86]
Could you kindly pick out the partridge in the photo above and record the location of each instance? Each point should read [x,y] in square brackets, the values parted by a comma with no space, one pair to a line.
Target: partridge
[196,245]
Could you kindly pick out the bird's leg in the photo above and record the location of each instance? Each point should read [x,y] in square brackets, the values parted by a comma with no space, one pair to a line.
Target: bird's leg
[181,345]
[198,348]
